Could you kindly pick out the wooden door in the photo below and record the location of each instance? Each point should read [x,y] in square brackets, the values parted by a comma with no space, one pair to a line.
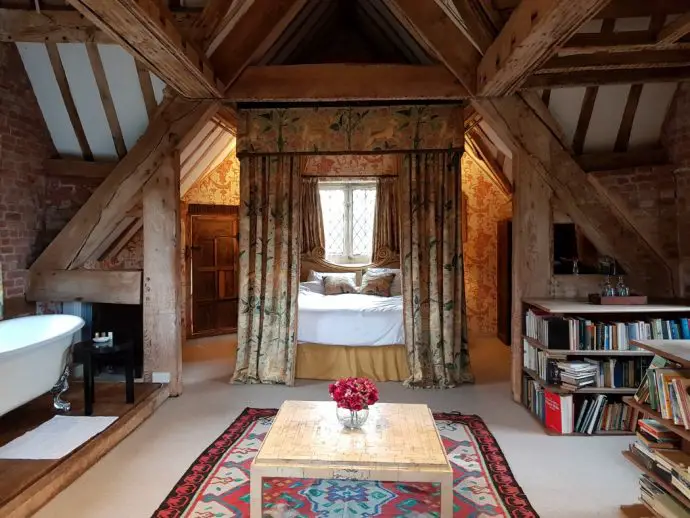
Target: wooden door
[504,276]
[214,273]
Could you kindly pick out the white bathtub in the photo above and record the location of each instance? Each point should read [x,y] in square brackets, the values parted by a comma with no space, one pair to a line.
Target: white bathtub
[33,353]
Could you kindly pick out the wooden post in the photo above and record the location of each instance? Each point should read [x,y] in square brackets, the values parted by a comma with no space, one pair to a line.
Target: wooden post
[162,289]
[532,252]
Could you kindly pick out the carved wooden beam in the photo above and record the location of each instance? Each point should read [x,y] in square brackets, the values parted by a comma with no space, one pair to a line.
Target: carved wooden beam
[607,77]
[78,168]
[535,30]
[146,29]
[340,82]
[611,232]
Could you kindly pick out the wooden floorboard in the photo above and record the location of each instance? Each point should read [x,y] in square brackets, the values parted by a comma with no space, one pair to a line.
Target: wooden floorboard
[27,485]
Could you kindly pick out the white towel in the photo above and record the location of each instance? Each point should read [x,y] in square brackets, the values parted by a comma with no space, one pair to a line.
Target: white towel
[55,438]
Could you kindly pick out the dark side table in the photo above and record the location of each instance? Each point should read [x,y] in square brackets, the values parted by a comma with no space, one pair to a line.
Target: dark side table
[118,353]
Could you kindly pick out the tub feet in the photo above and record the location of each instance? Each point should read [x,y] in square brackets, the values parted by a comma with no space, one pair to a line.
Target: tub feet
[58,390]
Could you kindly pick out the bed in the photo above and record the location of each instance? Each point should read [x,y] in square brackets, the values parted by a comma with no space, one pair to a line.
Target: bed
[349,334]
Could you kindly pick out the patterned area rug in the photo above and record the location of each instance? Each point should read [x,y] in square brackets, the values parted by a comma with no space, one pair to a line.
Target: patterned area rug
[217,484]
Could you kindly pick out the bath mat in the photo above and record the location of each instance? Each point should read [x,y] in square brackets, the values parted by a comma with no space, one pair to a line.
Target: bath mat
[56,438]
[217,484]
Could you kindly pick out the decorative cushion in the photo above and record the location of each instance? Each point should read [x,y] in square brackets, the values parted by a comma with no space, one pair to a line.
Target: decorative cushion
[377,284]
[337,284]
[319,276]
[311,287]
[396,288]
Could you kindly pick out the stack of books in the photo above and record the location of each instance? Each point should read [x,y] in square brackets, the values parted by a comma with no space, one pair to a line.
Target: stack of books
[577,374]
[665,390]
[660,501]
[666,489]
[582,334]
[598,414]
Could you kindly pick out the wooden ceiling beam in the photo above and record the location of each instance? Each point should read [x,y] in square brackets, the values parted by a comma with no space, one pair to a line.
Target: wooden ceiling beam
[472,17]
[533,33]
[592,162]
[235,46]
[62,26]
[63,167]
[207,23]
[617,61]
[442,36]
[629,41]
[675,30]
[621,8]
[607,77]
[146,29]
[345,82]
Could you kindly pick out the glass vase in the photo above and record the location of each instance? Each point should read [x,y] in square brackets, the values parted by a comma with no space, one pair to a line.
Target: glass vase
[352,419]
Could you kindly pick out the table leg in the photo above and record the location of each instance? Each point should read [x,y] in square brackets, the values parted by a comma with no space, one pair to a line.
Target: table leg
[447,496]
[255,494]
[88,383]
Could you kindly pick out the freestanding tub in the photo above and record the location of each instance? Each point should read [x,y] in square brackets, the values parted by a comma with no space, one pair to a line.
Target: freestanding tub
[33,357]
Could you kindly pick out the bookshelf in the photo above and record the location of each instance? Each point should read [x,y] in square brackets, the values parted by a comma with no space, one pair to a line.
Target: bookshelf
[677,351]
[611,341]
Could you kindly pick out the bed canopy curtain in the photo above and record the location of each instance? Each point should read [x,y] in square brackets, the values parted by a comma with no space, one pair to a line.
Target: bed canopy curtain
[386,220]
[313,237]
[270,143]
[269,268]
[432,264]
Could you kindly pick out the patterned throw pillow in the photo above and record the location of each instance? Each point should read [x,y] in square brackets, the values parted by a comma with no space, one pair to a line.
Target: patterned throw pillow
[396,288]
[377,284]
[338,284]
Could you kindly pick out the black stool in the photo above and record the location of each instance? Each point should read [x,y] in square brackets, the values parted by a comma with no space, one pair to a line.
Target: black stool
[117,353]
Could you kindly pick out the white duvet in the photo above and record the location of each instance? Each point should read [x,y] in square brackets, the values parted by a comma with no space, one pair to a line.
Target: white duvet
[349,319]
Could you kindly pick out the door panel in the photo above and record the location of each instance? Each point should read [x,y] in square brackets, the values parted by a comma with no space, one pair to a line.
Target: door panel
[214,269]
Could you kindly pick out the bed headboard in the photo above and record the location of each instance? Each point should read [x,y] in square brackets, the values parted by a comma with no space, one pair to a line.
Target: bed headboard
[315,261]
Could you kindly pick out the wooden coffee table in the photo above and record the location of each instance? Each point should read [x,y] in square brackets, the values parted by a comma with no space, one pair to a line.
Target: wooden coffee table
[398,443]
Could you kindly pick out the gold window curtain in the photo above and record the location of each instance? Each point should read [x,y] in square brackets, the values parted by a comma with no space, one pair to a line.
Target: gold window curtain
[313,238]
[386,221]
[269,266]
[432,264]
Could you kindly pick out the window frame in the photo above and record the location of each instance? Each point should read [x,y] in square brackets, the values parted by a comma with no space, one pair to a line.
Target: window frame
[348,186]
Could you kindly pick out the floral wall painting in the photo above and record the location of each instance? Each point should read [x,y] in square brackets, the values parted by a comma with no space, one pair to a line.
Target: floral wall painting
[352,165]
[484,205]
[218,187]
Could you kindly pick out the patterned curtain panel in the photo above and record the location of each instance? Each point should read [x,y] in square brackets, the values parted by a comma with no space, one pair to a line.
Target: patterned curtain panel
[387,220]
[432,264]
[313,237]
[269,264]
[309,130]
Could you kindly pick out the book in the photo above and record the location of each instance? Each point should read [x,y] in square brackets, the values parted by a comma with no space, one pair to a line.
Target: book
[558,412]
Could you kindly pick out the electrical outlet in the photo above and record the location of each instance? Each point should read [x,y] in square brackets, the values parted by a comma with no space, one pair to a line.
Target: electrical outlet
[160,377]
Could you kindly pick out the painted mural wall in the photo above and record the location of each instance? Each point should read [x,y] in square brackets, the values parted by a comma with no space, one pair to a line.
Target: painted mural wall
[487,205]
[220,187]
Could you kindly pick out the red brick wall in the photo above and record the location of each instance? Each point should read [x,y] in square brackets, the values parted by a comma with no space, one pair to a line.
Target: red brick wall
[24,144]
[676,137]
[64,197]
[658,198]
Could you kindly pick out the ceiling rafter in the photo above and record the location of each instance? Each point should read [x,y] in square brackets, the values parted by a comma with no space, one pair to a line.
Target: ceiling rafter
[442,35]
[146,29]
[607,77]
[675,30]
[63,26]
[535,30]
[236,45]
[345,82]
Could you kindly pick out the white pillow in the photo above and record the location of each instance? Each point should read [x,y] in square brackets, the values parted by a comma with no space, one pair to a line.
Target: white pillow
[311,287]
[318,276]
[396,287]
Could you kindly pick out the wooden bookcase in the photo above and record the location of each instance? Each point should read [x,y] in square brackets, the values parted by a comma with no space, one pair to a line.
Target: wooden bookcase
[677,351]
[604,313]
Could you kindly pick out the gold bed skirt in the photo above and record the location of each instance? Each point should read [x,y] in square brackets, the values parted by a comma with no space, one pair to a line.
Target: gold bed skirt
[330,362]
